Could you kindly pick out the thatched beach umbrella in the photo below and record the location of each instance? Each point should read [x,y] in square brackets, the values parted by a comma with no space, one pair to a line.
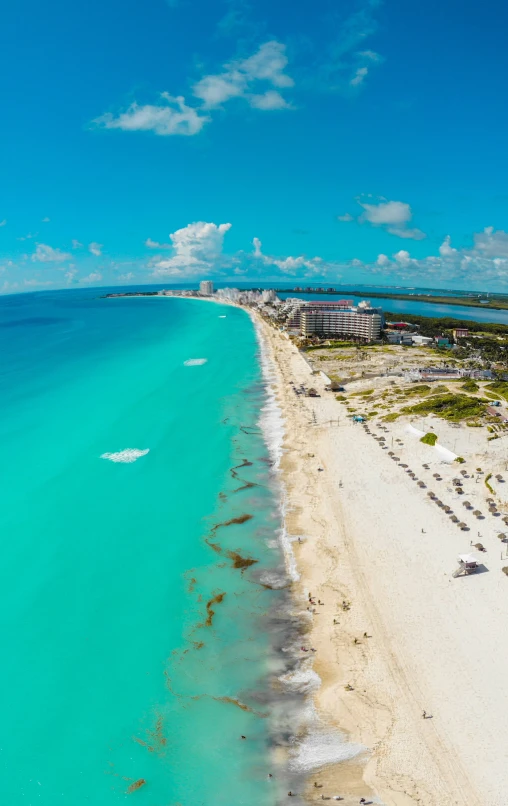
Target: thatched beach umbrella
[479,546]
[421,484]
[499,477]
[505,519]
[390,453]
[490,500]
[502,536]
[462,525]
[447,508]
[431,494]
[439,503]
[466,504]
[454,519]
[402,465]
[460,491]
[477,513]
[435,475]
[463,472]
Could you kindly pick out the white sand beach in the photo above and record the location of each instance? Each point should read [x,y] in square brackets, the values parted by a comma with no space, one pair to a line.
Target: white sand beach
[434,643]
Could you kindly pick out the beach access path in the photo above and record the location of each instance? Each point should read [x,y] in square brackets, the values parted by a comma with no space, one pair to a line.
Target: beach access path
[434,644]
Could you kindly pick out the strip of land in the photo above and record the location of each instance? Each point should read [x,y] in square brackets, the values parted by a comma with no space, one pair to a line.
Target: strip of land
[397,635]
[491,302]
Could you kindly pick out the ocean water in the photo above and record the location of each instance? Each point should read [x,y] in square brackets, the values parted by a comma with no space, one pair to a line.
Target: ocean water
[136,484]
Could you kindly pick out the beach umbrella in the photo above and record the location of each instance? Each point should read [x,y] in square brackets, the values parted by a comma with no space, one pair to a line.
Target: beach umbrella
[454,519]
[460,492]
[402,465]
[463,472]
[430,494]
[421,484]
[479,546]
[435,475]
[390,453]
[477,512]
[396,458]
[499,477]
[456,481]
[462,525]
[466,504]
[505,519]
[447,508]
[439,503]
[502,536]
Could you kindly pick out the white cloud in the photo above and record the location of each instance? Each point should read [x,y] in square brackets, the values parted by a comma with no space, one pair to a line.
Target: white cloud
[359,76]
[156,245]
[197,248]
[290,265]
[3,223]
[76,244]
[46,254]
[170,118]
[93,277]
[126,277]
[483,264]
[34,282]
[70,275]
[8,287]
[95,248]
[394,216]
[238,77]
[271,99]
[46,220]
[345,217]
[371,55]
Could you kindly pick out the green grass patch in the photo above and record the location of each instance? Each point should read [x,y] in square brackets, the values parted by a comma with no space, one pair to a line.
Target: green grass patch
[366,393]
[487,479]
[500,388]
[470,386]
[390,418]
[429,439]
[451,407]
[420,389]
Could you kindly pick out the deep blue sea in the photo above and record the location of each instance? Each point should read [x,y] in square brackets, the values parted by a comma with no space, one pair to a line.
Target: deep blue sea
[135,654]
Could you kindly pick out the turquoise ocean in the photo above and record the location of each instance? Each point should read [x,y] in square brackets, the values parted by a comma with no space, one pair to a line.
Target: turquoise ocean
[136,637]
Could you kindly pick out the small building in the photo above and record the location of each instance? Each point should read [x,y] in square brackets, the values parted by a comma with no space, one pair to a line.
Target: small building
[460,333]
[422,340]
[442,341]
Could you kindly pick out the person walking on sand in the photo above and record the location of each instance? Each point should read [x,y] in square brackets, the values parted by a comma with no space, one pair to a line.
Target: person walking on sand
[424,714]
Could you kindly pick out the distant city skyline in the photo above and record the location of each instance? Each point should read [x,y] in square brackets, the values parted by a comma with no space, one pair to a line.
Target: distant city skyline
[176,141]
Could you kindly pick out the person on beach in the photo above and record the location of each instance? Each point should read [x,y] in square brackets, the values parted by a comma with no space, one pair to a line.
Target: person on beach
[424,714]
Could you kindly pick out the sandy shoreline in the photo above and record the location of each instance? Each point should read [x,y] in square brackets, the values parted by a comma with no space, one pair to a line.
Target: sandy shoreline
[434,643]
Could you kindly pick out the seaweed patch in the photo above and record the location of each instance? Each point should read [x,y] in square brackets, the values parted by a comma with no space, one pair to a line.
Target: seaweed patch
[217,599]
[239,561]
[239,520]
[136,785]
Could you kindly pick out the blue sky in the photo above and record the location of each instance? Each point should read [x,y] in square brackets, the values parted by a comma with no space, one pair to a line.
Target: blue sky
[175,139]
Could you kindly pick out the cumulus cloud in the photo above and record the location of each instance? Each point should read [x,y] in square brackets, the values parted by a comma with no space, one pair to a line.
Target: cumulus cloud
[124,278]
[76,244]
[359,76]
[93,277]
[171,117]
[70,275]
[242,78]
[393,216]
[485,262]
[46,220]
[290,265]
[196,248]
[156,245]
[46,254]
[236,80]
[95,248]
[3,222]
[345,217]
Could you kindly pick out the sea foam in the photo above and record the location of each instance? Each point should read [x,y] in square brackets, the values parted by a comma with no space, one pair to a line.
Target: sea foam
[126,456]
[195,362]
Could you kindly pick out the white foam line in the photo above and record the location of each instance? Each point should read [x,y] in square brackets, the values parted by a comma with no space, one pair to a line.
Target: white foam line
[195,362]
[126,456]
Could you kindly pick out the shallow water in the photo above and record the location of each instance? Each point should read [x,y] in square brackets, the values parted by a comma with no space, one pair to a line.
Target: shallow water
[132,647]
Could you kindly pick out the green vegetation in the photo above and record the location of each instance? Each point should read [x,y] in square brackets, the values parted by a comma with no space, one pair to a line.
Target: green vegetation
[366,393]
[340,398]
[470,386]
[390,418]
[451,407]
[420,389]
[500,388]
[334,345]
[429,439]
[489,488]
[460,460]
[434,326]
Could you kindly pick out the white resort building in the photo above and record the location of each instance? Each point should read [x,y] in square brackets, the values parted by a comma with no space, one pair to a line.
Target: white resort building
[340,318]
[206,288]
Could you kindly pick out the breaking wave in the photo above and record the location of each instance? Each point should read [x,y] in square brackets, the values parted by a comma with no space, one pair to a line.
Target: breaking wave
[126,456]
[195,362]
